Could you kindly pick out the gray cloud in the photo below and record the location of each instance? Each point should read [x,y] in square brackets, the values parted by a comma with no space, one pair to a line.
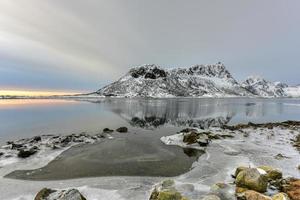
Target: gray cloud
[82,45]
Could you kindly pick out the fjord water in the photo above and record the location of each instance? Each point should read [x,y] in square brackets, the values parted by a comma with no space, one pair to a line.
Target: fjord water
[26,118]
[140,151]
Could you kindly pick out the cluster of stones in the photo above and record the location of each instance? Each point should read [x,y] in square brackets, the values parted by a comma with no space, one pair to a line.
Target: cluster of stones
[293,125]
[25,148]
[203,138]
[49,194]
[166,191]
[253,184]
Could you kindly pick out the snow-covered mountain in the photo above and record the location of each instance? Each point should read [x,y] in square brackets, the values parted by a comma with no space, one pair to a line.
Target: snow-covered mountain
[196,81]
[261,87]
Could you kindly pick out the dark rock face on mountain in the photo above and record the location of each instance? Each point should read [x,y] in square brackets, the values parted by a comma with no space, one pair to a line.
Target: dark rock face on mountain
[153,81]
[196,81]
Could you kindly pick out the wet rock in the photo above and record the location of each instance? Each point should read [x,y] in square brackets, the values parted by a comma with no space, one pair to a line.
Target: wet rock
[253,195]
[211,197]
[272,174]
[280,196]
[107,130]
[252,179]
[49,194]
[26,153]
[122,130]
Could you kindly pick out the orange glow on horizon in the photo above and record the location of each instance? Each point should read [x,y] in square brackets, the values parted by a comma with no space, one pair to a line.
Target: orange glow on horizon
[34,93]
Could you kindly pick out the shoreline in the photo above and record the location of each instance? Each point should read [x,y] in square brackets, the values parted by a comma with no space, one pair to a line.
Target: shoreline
[186,180]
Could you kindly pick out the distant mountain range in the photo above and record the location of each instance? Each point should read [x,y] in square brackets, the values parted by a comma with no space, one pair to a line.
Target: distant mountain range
[196,81]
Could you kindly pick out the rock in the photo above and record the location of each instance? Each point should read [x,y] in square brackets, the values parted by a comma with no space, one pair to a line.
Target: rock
[252,179]
[211,197]
[36,139]
[49,194]
[165,195]
[239,190]
[281,196]
[203,141]
[44,193]
[272,174]
[190,138]
[253,195]
[16,146]
[26,153]
[280,156]
[122,130]
[239,169]
[186,130]
[293,189]
[107,130]
[1,154]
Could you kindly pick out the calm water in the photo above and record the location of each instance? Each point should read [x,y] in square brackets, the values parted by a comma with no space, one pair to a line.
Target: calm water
[139,152]
[24,118]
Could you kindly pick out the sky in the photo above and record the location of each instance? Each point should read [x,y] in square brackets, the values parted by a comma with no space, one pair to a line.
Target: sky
[79,46]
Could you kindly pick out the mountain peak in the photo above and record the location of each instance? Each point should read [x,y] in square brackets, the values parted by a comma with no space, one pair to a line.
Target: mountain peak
[148,71]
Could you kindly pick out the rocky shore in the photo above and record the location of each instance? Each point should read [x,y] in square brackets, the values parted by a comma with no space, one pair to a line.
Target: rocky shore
[261,182]
[257,183]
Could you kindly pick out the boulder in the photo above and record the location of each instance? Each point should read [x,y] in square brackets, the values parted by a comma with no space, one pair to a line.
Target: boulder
[280,196]
[253,195]
[252,179]
[49,194]
[44,194]
[239,169]
[122,130]
[292,188]
[26,153]
[169,194]
[107,130]
[272,174]
[36,139]
[190,138]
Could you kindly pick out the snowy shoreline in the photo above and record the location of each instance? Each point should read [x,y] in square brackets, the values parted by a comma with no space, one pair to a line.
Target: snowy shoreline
[222,156]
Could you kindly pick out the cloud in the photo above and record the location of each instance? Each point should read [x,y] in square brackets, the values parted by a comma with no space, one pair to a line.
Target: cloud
[85,44]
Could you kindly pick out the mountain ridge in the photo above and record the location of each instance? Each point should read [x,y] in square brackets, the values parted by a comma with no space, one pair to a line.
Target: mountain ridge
[212,80]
